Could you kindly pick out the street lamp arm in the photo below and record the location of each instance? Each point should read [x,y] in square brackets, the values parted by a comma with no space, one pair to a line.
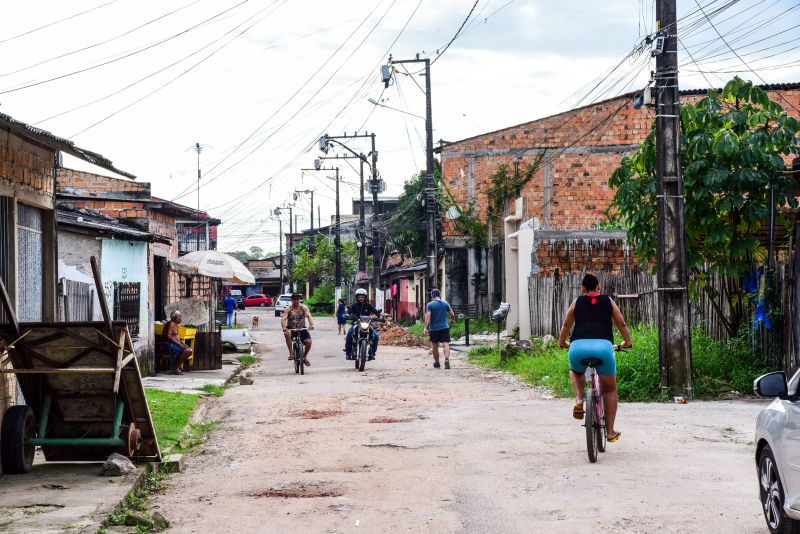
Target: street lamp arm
[356,154]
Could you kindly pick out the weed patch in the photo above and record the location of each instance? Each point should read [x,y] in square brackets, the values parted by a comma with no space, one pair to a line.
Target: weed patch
[248,360]
[213,390]
[171,412]
[132,511]
[719,368]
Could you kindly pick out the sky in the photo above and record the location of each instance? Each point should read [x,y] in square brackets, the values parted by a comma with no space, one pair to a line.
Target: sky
[256,82]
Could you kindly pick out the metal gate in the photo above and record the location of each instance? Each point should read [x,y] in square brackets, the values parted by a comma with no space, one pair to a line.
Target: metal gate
[30,240]
[126,304]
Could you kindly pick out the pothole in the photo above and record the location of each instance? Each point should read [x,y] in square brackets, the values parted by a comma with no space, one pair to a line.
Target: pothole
[384,419]
[299,491]
[317,414]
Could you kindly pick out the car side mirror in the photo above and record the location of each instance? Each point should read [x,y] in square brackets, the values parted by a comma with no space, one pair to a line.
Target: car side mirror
[771,385]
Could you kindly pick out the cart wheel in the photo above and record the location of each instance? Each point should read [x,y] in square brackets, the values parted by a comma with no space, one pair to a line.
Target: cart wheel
[134,439]
[18,425]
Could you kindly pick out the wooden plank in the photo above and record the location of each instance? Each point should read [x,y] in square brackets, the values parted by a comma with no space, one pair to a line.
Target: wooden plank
[120,354]
[98,282]
[57,371]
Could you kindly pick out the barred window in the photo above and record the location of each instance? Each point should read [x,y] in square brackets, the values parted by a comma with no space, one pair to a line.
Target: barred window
[127,297]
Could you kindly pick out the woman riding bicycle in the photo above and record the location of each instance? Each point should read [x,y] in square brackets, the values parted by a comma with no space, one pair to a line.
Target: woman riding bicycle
[594,315]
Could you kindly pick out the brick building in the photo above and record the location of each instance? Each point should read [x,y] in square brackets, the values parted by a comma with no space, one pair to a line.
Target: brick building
[574,154]
[175,229]
[29,160]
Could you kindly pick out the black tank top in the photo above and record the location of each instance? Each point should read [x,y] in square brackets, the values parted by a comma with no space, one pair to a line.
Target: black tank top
[593,318]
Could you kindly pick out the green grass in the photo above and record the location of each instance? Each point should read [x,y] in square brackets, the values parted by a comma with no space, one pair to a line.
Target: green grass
[214,390]
[171,412]
[248,360]
[476,326]
[718,367]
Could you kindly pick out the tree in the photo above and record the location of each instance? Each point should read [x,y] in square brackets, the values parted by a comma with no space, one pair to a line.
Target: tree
[241,255]
[732,143]
[407,227]
[317,263]
[256,253]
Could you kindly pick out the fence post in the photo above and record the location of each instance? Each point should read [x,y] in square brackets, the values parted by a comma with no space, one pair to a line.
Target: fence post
[466,330]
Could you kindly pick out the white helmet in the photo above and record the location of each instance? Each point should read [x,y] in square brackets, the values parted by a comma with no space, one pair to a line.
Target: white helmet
[361,291]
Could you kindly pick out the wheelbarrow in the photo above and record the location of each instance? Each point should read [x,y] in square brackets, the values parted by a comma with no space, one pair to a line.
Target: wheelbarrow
[83,392]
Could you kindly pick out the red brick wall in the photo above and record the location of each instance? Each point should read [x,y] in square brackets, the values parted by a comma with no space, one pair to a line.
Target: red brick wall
[26,164]
[582,149]
[574,256]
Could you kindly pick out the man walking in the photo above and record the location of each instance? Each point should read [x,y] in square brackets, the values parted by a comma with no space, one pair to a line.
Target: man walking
[230,305]
[438,327]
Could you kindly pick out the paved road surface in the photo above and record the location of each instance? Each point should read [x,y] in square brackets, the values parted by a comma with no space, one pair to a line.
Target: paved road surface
[403,447]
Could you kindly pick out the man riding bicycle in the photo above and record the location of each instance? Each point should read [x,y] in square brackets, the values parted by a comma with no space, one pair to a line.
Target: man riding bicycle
[594,315]
[294,318]
[359,309]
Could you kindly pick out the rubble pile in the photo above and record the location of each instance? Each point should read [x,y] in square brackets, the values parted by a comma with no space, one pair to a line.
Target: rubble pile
[392,334]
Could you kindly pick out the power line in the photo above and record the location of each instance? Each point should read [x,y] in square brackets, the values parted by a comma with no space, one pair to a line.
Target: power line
[49,24]
[100,43]
[455,36]
[157,43]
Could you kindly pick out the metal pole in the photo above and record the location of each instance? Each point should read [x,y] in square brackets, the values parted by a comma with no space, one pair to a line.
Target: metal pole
[376,249]
[430,186]
[771,247]
[280,251]
[289,243]
[337,243]
[312,209]
[362,251]
[197,235]
[675,351]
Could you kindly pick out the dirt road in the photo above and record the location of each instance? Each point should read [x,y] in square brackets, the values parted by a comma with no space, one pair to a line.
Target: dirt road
[404,447]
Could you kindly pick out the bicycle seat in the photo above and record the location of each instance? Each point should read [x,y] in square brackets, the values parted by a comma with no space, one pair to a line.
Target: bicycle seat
[591,362]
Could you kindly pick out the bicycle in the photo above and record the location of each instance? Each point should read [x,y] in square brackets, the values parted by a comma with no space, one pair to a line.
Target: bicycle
[595,422]
[298,351]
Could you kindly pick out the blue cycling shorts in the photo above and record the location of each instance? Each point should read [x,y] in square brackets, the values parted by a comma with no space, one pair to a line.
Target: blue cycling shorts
[601,349]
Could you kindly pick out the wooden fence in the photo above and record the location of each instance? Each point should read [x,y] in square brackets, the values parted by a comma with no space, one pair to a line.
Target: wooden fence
[635,293]
[75,301]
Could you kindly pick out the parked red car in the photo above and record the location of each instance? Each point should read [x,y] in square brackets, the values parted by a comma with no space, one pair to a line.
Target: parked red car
[258,300]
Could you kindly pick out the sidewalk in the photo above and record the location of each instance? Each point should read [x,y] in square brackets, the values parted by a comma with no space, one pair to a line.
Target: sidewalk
[74,496]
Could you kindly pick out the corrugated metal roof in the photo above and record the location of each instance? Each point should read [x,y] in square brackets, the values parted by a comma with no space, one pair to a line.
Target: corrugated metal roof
[59,143]
[102,224]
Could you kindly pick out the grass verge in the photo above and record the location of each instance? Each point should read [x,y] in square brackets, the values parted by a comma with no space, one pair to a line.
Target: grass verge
[248,360]
[171,412]
[132,511]
[214,390]
[719,368]
[476,326]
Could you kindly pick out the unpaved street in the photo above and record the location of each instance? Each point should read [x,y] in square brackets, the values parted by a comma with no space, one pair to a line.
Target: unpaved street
[404,447]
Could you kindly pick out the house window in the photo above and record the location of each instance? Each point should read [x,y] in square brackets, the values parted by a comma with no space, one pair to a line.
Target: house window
[127,298]
[30,240]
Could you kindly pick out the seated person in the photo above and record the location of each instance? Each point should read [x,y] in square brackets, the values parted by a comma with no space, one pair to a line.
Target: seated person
[361,308]
[179,351]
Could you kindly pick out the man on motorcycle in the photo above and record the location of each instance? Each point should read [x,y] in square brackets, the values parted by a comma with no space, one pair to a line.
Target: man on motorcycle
[359,309]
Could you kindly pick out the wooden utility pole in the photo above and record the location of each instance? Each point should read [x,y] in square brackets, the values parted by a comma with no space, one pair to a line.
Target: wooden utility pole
[674,332]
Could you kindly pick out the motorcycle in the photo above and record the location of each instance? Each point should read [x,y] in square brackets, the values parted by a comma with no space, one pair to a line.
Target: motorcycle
[362,339]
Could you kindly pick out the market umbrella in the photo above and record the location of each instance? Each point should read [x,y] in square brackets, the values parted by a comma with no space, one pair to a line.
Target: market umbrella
[214,264]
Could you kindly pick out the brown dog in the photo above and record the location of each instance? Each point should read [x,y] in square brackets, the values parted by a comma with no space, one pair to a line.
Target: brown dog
[255,322]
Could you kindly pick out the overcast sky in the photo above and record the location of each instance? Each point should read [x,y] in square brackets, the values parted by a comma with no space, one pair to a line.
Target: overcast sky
[257,81]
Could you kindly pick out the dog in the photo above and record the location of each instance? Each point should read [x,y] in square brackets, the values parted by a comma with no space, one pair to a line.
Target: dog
[255,322]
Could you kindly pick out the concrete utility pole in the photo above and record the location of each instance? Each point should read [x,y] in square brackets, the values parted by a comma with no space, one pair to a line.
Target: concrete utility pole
[307,192]
[277,212]
[376,186]
[337,240]
[674,333]
[289,249]
[431,201]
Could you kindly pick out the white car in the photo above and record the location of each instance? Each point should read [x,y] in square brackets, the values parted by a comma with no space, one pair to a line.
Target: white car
[282,303]
[778,452]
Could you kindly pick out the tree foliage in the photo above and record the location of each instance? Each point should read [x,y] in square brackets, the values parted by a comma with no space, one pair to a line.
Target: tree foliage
[315,261]
[407,227]
[732,142]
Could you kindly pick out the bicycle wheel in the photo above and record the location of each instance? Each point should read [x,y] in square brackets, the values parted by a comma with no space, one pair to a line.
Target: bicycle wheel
[301,355]
[601,418]
[591,426]
[363,350]
[297,361]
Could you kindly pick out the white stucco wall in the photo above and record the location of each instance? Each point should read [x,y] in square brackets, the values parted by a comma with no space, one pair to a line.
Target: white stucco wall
[525,243]
[74,253]
[126,261]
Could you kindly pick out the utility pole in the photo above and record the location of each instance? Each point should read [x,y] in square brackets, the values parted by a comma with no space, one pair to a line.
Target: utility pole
[431,201]
[376,186]
[675,351]
[337,240]
[277,213]
[289,244]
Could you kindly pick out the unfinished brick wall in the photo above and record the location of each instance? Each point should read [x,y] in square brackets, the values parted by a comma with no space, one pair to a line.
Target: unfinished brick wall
[581,149]
[26,164]
[575,256]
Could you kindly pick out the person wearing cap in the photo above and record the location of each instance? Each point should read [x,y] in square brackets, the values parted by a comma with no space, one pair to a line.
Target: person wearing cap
[294,318]
[359,309]
[437,326]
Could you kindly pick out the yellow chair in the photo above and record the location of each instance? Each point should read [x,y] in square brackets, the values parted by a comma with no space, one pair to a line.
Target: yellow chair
[185,334]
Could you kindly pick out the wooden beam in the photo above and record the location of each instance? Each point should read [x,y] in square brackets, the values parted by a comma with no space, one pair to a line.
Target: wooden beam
[98,283]
[120,354]
[56,371]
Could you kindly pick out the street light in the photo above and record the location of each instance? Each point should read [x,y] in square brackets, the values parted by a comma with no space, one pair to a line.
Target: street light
[376,103]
